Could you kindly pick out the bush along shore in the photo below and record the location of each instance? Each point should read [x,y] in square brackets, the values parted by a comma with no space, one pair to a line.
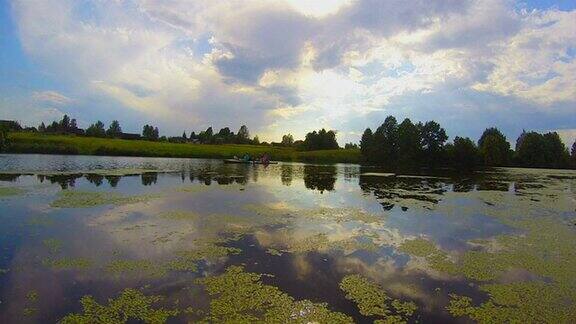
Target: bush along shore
[30,142]
[394,146]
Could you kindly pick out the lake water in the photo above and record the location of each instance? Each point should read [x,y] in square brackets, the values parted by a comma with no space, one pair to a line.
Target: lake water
[330,243]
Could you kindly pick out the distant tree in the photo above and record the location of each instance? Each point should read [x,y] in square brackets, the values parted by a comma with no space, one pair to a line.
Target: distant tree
[243,136]
[494,148]
[184,137]
[541,151]
[193,136]
[531,150]
[463,154]
[150,133]
[65,124]
[96,130]
[226,135]
[73,125]
[350,146]
[386,142]
[3,137]
[42,128]
[207,136]
[557,155]
[287,140]
[433,137]
[321,140]
[53,128]
[409,144]
[147,131]
[573,155]
[367,145]
[256,140]
[114,130]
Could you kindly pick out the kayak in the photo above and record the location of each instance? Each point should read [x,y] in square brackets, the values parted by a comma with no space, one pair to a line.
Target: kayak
[248,162]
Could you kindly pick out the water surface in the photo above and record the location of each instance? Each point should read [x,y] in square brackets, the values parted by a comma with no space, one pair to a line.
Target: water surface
[493,246]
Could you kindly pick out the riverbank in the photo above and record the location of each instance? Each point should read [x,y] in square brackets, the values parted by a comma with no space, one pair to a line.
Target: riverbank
[76,145]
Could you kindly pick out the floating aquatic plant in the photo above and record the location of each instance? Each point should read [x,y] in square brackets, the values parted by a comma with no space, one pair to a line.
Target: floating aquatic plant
[39,221]
[311,243]
[273,251]
[53,245]
[145,267]
[84,199]
[67,263]
[130,305]
[187,260]
[11,191]
[437,258]
[372,300]
[241,297]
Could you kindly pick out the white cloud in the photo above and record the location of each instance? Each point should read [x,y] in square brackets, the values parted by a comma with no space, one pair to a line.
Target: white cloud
[51,97]
[297,65]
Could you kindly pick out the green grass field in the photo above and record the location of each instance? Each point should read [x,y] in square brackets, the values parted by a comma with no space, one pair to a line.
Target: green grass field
[69,144]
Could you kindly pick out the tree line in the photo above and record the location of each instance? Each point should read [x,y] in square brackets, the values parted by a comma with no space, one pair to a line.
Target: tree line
[392,144]
[410,145]
[316,140]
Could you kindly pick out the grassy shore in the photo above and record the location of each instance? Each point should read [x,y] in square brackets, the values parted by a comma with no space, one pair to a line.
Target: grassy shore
[69,144]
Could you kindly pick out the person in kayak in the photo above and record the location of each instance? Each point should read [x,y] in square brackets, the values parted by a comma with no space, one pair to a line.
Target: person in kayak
[265,159]
[246,158]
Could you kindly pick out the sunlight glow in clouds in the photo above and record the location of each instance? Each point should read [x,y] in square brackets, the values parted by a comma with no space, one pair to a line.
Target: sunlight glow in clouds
[297,65]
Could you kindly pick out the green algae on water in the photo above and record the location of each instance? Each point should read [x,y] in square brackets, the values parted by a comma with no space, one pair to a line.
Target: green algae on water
[32,296]
[131,305]
[53,245]
[144,267]
[68,263]
[85,199]
[183,261]
[241,297]
[187,260]
[437,258]
[372,300]
[547,249]
[39,221]
[11,191]
[311,243]
[274,252]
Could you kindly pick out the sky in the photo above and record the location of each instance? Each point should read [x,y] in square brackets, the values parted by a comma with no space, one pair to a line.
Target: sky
[292,66]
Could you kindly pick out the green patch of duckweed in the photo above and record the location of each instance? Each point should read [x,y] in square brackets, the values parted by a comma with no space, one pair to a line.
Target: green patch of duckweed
[187,260]
[32,296]
[68,263]
[273,251]
[311,243]
[85,199]
[53,245]
[341,215]
[183,261]
[11,191]
[130,305]
[372,300]
[437,258]
[547,249]
[39,221]
[29,311]
[180,215]
[241,297]
[321,242]
[145,267]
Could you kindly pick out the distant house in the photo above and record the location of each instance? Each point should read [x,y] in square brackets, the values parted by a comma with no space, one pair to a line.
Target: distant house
[10,125]
[129,136]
